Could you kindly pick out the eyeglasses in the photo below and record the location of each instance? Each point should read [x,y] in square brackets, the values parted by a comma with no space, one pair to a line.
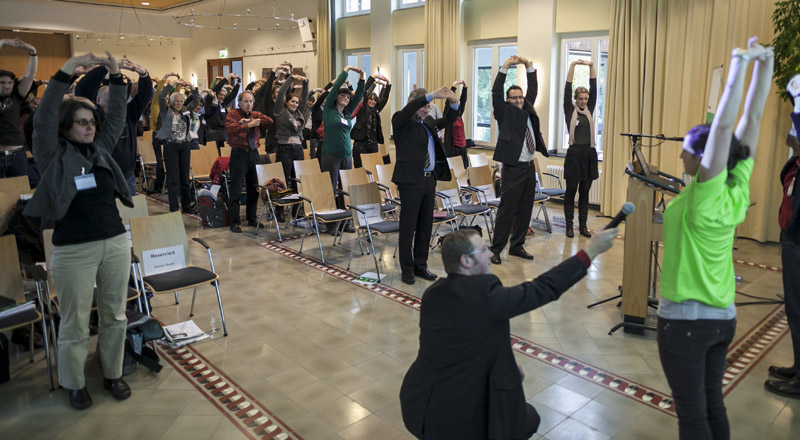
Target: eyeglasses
[85,122]
[479,251]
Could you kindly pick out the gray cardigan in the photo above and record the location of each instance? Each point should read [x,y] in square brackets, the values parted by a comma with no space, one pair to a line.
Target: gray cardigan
[59,161]
[285,120]
[166,114]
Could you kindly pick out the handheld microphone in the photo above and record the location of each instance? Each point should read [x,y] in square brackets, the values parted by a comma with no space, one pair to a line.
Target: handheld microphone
[626,210]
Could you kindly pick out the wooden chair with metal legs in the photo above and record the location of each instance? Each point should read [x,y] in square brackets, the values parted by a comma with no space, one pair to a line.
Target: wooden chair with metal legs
[158,235]
[266,173]
[384,179]
[11,290]
[15,186]
[359,176]
[319,205]
[369,161]
[541,197]
[459,172]
[450,199]
[365,204]
[477,159]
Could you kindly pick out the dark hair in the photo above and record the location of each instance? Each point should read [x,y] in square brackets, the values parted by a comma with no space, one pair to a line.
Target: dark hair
[345,91]
[373,96]
[7,73]
[416,93]
[289,97]
[514,87]
[454,245]
[697,138]
[66,115]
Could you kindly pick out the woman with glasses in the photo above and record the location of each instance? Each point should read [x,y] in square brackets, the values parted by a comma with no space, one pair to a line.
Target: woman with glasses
[80,182]
[580,165]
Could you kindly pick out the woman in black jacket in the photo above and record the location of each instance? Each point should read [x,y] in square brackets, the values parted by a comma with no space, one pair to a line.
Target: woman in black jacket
[455,140]
[367,132]
[216,110]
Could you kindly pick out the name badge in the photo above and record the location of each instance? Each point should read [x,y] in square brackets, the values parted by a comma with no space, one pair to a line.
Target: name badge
[85,181]
[344,122]
[577,122]
[222,109]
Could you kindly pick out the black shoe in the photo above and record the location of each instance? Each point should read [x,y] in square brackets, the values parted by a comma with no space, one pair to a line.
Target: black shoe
[425,273]
[495,259]
[585,232]
[782,373]
[118,387]
[789,388]
[236,229]
[522,253]
[408,279]
[570,232]
[80,399]
[191,209]
[255,224]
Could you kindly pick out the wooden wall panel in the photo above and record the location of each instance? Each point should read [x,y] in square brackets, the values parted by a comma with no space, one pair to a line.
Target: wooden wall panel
[53,50]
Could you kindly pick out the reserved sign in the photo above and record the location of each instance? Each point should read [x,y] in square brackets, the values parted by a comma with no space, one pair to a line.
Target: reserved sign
[163,260]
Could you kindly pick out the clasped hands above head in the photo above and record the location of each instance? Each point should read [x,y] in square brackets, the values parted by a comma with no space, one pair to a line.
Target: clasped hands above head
[754,51]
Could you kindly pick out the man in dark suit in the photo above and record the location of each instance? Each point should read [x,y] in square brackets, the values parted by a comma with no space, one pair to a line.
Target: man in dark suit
[465,383]
[519,138]
[420,163]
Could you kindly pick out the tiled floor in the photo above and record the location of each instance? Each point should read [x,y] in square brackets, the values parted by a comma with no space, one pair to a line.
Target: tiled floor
[328,357]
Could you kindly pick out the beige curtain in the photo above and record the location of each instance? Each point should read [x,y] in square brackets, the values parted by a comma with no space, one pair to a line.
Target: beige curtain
[662,53]
[442,39]
[323,41]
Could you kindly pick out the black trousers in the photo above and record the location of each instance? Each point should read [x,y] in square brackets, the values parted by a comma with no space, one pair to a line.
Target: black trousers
[517,192]
[158,146]
[14,164]
[581,187]
[286,155]
[177,159]
[243,171]
[362,147]
[693,356]
[790,259]
[416,223]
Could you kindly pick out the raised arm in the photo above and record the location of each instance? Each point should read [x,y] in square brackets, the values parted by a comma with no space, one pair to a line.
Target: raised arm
[498,98]
[117,95]
[303,95]
[330,104]
[33,62]
[145,93]
[279,107]
[384,97]
[88,86]
[592,88]
[715,155]
[750,123]
[354,101]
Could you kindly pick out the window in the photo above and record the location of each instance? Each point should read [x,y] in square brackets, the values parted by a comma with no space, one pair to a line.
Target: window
[486,61]
[412,66]
[360,60]
[356,7]
[594,49]
[411,3]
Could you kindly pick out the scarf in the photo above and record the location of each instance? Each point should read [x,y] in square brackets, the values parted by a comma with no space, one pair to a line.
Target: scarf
[573,122]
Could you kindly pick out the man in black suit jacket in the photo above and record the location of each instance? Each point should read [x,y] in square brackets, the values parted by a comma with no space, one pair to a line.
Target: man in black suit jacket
[465,383]
[420,163]
[519,138]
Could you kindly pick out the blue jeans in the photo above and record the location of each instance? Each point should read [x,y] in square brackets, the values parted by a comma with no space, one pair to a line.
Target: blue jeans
[693,356]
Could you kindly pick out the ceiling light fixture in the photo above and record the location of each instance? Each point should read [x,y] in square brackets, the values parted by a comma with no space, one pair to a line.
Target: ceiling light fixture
[252,21]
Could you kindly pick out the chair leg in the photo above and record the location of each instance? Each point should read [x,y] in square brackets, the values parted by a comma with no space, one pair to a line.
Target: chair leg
[303,239]
[143,289]
[44,335]
[433,235]
[547,219]
[353,249]
[176,297]
[221,311]
[277,225]
[319,241]
[488,229]
[374,258]
[191,309]
[31,344]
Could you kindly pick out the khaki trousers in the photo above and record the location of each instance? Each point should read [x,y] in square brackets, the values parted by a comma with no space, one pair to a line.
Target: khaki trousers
[74,270]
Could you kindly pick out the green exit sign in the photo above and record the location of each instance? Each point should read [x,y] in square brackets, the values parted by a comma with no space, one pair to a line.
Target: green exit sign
[223,53]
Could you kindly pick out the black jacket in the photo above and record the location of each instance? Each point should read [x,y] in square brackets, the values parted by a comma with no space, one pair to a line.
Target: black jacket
[449,148]
[512,121]
[794,227]
[465,383]
[359,131]
[411,143]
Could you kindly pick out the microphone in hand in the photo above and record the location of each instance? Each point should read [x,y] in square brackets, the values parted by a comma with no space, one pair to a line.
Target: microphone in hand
[626,210]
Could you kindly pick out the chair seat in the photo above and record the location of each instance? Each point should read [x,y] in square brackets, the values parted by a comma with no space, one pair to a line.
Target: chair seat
[388,207]
[554,192]
[179,279]
[19,320]
[444,219]
[384,227]
[494,203]
[541,197]
[283,201]
[335,216]
[471,209]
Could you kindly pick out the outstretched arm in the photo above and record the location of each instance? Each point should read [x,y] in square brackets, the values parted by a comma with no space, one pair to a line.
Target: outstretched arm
[33,62]
[750,122]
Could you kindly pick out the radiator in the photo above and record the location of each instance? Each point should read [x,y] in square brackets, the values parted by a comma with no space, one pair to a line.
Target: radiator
[551,182]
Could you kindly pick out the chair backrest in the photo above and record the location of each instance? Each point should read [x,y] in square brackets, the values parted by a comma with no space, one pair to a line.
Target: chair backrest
[365,196]
[306,154]
[457,167]
[481,178]
[10,275]
[148,136]
[450,189]
[393,156]
[270,171]
[317,188]
[15,186]
[385,178]
[382,149]
[139,209]
[226,151]
[477,159]
[370,161]
[272,157]
[302,167]
[145,149]
[7,203]
[539,181]
[355,176]
[159,232]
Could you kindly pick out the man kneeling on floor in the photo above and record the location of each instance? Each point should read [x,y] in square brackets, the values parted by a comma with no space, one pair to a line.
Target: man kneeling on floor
[465,382]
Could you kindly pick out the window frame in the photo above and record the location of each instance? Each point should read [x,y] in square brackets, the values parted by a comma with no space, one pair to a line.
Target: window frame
[521,81]
[400,92]
[360,10]
[416,4]
[360,53]
[596,38]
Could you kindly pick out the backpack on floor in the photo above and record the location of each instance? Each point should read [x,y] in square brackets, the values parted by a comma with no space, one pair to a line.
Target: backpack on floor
[213,211]
[141,329]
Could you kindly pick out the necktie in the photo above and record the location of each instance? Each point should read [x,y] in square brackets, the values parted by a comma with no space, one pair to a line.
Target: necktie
[427,161]
[529,139]
[251,138]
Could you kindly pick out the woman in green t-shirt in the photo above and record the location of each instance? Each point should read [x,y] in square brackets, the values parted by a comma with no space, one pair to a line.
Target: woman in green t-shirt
[697,317]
